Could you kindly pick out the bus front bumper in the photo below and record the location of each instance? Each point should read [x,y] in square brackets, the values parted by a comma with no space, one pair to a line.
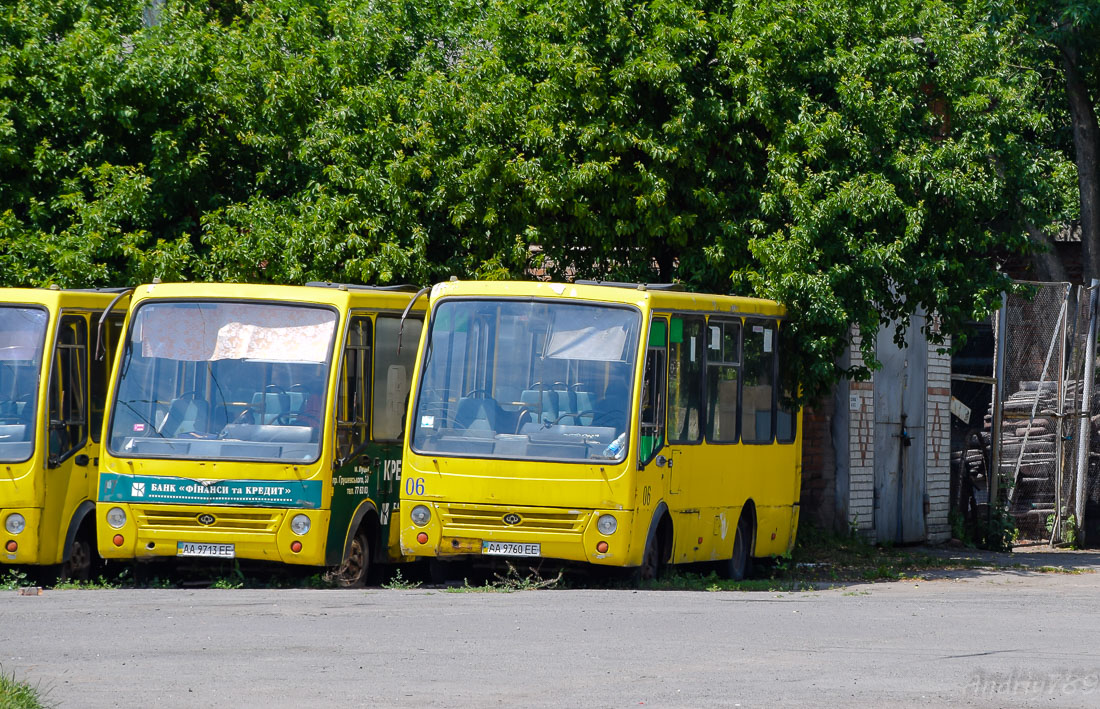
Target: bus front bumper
[455,530]
[22,547]
[150,531]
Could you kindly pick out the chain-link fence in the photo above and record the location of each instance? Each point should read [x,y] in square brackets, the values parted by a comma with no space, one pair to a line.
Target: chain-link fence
[1039,427]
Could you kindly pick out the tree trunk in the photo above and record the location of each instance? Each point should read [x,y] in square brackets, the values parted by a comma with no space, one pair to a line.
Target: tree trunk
[1048,267]
[1086,142]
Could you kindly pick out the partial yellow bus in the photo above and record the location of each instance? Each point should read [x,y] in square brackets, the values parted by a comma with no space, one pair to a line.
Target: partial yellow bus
[53,385]
[620,425]
[258,422]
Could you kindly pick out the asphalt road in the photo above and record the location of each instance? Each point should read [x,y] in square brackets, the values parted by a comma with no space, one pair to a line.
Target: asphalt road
[976,638]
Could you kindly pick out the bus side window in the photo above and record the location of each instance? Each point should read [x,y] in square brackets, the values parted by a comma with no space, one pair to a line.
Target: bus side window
[757,386]
[393,375]
[653,392]
[785,421]
[685,380]
[101,372]
[723,338]
[69,389]
[352,414]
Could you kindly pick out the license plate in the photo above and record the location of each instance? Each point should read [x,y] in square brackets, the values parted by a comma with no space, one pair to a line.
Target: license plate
[221,551]
[511,549]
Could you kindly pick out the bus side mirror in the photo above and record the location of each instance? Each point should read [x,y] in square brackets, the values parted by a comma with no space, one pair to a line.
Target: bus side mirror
[81,460]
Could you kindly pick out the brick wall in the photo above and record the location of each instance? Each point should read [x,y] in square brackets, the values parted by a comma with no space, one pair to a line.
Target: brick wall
[819,465]
[861,451]
[938,453]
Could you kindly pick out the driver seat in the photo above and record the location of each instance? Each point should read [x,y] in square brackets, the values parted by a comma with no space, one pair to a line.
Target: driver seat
[185,415]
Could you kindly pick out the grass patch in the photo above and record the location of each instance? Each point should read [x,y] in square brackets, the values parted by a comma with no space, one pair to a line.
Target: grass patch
[98,584]
[697,581]
[1056,570]
[18,695]
[822,556]
[509,582]
[398,582]
[14,579]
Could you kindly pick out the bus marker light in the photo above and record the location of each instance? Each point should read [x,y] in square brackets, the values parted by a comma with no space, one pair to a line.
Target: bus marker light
[422,537]
[601,547]
[773,536]
[118,540]
[295,546]
[12,545]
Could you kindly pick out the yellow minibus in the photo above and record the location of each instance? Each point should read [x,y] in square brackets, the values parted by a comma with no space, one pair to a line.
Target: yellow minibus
[621,425]
[258,422]
[53,386]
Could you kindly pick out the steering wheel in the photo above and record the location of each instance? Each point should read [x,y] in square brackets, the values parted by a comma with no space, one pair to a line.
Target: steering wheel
[249,412]
[297,418]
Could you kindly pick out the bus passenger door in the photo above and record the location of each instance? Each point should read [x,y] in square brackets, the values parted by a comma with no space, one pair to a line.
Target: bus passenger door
[654,481]
[690,472]
[69,469]
[392,384]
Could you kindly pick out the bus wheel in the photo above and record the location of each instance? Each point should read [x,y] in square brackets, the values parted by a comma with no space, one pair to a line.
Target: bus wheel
[655,557]
[353,572]
[81,556]
[737,568]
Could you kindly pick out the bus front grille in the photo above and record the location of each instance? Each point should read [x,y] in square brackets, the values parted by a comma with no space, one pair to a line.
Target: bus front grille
[532,519]
[223,520]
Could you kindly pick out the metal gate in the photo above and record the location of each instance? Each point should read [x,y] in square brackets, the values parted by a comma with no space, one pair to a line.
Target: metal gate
[1041,422]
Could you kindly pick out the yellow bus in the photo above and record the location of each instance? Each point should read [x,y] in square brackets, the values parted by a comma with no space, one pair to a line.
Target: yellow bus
[53,387]
[622,425]
[258,422]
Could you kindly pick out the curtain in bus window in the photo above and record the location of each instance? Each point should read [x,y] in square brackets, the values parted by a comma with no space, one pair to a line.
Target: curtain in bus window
[784,415]
[723,366]
[757,387]
[204,332]
[590,334]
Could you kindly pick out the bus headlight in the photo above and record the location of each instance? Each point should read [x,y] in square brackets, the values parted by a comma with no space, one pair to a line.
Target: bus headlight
[299,525]
[15,523]
[420,515]
[116,517]
[607,524]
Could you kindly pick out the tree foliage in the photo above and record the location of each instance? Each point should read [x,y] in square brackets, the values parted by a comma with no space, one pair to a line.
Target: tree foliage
[855,160]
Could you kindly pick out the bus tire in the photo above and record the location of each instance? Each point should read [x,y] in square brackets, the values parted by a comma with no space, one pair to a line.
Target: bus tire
[657,551]
[81,558]
[353,571]
[740,561]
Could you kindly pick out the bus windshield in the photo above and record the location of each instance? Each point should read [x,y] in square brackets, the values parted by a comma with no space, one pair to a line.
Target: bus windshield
[22,334]
[527,380]
[223,380]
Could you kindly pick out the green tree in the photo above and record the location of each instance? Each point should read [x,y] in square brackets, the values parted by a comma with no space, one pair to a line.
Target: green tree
[854,160]
[1064,38]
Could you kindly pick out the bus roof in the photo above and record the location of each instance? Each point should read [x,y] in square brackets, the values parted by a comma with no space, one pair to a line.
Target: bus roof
[341,296]
[656,297]
[54,298]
